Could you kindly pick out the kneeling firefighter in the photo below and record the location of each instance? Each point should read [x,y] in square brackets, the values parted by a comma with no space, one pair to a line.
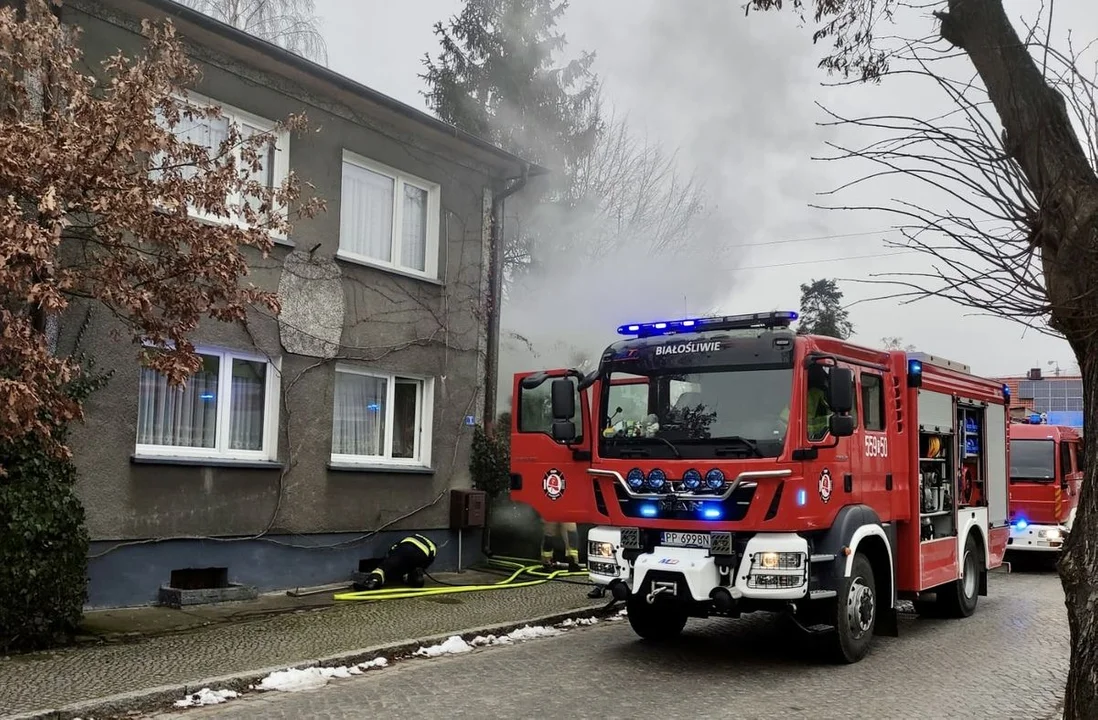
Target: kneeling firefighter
[406,560]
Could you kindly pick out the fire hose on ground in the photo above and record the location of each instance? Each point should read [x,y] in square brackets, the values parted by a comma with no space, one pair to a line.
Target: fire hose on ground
[517,566]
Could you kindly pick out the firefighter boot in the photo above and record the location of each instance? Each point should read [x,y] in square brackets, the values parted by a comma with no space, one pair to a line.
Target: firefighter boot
[373,582]
[597,592]
[415,578]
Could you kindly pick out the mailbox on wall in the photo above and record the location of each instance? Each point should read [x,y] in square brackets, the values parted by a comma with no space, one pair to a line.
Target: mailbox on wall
[468,509]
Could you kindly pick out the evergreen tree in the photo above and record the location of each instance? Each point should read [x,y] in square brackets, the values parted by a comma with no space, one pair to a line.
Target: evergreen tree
[822,311]
[499,77]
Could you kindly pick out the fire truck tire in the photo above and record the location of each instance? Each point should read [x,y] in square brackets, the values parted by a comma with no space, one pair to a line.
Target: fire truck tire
[856,607]
[658,623]
[958,599]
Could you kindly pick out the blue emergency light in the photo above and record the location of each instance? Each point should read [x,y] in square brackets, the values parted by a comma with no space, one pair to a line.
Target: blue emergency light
[914,373]
[781,318]
[648,510]
[1021,524]
[711,512]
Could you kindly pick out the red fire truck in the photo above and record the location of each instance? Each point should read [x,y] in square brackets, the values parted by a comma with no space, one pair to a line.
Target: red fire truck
[1046,468]
[732,465]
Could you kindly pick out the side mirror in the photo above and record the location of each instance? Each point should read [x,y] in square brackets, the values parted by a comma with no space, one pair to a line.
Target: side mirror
[563,397]
[840,426]
[564,431]
[532,381]
[840,394]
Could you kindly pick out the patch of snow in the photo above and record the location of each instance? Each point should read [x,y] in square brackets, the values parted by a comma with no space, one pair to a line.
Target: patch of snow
[529,633]
[453,645]
[294,680]
[206,696]
[577,622]
[298,679]
[620,616]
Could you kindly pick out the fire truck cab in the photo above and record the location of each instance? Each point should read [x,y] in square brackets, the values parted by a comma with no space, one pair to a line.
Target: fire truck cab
[731,465]
[1046,470]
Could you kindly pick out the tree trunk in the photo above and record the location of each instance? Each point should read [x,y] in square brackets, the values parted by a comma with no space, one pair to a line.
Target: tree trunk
[1039,136]
[1079,564]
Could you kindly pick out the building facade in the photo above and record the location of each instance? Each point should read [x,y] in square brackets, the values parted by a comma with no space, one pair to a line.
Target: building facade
[1059,397]
[311,440]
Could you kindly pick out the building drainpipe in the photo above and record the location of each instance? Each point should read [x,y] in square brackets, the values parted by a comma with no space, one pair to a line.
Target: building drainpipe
[495,298]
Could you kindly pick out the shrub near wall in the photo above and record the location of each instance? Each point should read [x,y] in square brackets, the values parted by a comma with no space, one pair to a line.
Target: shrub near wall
[43,548]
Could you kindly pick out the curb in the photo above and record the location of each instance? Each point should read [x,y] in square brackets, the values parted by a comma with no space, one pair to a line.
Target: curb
[162,697]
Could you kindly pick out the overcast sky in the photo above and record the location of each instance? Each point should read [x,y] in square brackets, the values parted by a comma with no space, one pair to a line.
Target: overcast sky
[737,96]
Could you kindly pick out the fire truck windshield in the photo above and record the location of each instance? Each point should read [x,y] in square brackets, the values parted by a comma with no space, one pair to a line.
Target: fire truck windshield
[1032,461]
[724,412]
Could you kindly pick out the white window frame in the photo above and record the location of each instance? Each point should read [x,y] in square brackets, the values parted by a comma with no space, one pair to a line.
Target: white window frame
[400,179]
[424,421]
[281,169]
[221,450]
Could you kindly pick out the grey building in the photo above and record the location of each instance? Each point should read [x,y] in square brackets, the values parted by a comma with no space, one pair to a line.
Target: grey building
[315,439]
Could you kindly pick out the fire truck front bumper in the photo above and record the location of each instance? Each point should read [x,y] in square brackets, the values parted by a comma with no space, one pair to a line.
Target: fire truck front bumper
[1039,538]
[772,566]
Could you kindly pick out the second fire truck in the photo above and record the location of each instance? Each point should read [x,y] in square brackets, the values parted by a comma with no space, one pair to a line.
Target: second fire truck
[1046,470]
[731,465]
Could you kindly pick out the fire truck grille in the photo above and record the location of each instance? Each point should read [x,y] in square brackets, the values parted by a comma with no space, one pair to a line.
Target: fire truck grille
[692,507]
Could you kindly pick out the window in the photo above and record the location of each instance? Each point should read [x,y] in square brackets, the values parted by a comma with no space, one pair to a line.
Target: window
[818,413]
[707,414]
[228,409]
[536,409]
[211,132]
[388,218]
[873,402]
[1032,461]
[380,418]
[632,399]
[1065,459]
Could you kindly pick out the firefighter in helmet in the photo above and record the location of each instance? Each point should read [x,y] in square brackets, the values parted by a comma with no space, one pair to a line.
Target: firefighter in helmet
[406,561]
[569,533]
[818,411]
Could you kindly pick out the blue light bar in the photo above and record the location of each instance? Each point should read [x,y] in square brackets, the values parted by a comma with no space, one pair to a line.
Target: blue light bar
[781,318]
[648,510]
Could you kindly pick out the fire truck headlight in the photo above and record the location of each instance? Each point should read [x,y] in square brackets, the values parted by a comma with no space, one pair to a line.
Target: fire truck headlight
[635,478]
[600,549]
[691,479]
[779,560]
[714,479]
[1053,534]
[656,479]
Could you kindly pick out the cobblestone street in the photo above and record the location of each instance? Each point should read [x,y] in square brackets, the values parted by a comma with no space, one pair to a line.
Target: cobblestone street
[1007,661]
[51,679]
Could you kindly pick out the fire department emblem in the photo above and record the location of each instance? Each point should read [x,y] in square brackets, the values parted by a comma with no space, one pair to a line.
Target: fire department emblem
[553,484]
[825,485]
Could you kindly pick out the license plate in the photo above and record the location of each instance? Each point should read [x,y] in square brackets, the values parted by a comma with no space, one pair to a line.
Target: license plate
[685,539]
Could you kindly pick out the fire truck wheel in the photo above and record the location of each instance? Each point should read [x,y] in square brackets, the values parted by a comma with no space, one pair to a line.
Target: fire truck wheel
[658,622]
[958,599]
[857,613]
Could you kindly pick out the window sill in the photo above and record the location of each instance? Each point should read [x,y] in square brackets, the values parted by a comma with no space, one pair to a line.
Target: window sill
[381,469]
[205,462]
[366,262]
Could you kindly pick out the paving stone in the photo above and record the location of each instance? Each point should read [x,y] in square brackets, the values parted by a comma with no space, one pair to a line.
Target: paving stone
[43,681]
[1008,660]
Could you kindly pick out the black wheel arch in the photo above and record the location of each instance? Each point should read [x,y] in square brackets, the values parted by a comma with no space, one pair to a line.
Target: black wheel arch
[881,554]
